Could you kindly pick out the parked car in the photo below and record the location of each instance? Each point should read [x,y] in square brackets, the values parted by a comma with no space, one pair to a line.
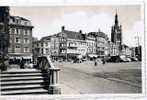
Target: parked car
[84,58]
[115,59]
[78,59]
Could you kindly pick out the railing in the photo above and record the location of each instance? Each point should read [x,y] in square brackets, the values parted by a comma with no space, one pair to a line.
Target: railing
[46,65]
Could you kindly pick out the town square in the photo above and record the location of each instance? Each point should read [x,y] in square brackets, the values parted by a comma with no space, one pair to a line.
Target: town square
[71,50]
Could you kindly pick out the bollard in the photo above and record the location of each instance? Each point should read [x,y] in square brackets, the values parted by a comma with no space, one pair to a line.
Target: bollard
[54,81]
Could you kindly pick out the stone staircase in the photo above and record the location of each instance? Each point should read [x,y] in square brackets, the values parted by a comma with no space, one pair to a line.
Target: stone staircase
[24,82]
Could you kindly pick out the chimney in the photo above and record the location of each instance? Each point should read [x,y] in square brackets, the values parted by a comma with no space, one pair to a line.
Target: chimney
[63,28]
[80,31]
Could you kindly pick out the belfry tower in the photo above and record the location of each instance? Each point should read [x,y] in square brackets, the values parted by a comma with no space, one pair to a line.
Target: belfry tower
[116,33]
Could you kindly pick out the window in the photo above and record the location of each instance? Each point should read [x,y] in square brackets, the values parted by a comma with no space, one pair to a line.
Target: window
[17,40]
[47,50]
[41,44]
[26,49]
[10,31]
[13,31]
[17,49]
[25,32]
[10,40]
[37,44]
[46,44]
[42,51]
[28,31]
[26,40]
[17,46]
[62,51]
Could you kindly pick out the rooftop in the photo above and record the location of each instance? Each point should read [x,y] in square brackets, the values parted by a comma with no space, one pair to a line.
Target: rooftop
[74,35]
[19,18]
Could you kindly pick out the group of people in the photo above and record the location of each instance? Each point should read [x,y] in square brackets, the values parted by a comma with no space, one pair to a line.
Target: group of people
[22,63]
[25,64]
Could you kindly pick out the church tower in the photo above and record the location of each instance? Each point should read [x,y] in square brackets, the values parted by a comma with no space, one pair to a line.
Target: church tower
[116,32]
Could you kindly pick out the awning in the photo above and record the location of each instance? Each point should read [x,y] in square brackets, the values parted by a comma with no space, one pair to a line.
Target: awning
[27,57]
[92,55]
[20,57]
[11,57]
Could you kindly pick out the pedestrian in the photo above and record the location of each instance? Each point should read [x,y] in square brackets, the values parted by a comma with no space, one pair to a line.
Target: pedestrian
[95,62]
[22,64]
[103,61]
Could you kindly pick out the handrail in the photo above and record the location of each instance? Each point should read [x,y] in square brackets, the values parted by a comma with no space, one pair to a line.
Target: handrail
[50,62]
[46,64]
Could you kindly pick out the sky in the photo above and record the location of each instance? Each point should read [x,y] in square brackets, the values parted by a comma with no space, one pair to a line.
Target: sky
[48,20]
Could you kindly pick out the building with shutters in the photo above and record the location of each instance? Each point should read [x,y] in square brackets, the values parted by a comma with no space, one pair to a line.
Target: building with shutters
[20,38]
[71,44]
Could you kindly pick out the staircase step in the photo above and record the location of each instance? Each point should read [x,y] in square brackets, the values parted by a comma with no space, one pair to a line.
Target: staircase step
[20,72]
[21,75]
[14,71]
[22,82]
[17,87]
[24,92]
[22,79]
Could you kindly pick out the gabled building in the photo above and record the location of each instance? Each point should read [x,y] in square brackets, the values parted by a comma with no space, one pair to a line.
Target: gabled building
[54,47]
[97,44]
[126,51]
[42,47]
[91,43]
[71,44]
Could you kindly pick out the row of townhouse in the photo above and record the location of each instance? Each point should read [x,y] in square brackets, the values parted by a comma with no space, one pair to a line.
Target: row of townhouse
[65,44]
[41,47]
[69,44]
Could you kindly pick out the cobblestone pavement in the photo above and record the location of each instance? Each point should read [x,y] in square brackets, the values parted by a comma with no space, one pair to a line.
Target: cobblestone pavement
[85,78]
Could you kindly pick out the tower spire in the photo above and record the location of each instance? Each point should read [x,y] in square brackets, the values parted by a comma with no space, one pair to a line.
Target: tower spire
[116,18]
